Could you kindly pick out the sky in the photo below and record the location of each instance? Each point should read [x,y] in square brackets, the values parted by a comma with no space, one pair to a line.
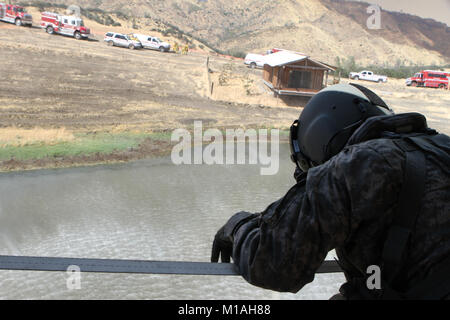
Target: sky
[438,10]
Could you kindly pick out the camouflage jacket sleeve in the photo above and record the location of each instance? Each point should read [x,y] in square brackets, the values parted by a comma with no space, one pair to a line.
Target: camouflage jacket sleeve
[281,248]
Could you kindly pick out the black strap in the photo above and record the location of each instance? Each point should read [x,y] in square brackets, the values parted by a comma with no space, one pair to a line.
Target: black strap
[437,284]
[373,98]
[409,204]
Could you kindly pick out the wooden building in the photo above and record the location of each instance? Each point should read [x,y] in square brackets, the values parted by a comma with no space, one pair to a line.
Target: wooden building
[289,73]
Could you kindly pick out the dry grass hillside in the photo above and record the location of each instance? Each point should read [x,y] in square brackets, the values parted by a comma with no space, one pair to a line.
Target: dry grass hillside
[102,22]
[324,29]
[398,27]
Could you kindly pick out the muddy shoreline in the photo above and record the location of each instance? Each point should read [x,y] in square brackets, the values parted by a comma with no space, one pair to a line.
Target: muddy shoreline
[147,149]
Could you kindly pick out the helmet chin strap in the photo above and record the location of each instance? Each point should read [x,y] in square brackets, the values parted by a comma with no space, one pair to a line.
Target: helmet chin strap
[300,160]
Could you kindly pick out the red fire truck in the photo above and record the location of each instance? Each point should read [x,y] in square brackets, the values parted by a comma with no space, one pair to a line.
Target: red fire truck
[55,23]
[15,14]
[429,78]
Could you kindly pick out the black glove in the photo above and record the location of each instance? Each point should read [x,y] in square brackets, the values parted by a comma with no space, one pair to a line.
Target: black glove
[223,241]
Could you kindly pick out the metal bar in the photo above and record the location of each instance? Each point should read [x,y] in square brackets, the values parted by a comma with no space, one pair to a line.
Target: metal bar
[296,93]
[270,85]
[131,266]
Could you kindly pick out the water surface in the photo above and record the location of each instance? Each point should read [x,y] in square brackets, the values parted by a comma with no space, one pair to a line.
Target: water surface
[148,209]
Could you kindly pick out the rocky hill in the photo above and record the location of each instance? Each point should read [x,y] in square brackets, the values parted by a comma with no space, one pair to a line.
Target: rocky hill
[324,29]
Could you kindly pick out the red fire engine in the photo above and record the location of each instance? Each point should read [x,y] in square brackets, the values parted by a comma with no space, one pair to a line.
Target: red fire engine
[66,25]
[15,14]
[429,78]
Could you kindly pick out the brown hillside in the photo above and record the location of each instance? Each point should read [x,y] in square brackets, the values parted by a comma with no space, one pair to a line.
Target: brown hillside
[399,27]
[325,29]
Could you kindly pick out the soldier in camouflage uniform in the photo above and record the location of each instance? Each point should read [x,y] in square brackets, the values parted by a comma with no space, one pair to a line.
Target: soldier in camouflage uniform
[346,198]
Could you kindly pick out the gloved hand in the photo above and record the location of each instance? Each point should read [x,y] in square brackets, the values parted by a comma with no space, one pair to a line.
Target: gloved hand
[223,241]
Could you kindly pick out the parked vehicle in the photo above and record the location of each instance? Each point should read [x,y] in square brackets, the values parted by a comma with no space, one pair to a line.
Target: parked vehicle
[153,43]
[15,14]
[254,60]
[55,23]
[122,40]
[429,78]
[368,76]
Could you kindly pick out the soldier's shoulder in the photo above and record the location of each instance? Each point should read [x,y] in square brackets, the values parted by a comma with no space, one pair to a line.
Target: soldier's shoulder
[371,150]
[373,156]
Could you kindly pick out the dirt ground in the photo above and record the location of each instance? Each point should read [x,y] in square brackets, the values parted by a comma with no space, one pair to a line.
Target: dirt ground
[50,82]
[56,81]
[431,102]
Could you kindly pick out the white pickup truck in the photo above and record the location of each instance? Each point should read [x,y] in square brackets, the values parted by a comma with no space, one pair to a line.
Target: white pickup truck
[367,75]
[153,43]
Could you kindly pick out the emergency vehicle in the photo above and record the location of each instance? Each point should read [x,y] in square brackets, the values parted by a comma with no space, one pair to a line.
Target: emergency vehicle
[55,23]
[254,60]
[15,14]
[429,78]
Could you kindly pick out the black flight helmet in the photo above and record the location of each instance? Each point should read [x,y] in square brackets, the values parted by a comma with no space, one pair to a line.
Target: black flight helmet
[328,121]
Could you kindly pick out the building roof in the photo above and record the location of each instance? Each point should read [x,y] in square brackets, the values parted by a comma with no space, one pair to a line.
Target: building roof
[282,58]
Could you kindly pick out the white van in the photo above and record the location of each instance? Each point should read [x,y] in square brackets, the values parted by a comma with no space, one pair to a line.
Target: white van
[154,43]
[254,60]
